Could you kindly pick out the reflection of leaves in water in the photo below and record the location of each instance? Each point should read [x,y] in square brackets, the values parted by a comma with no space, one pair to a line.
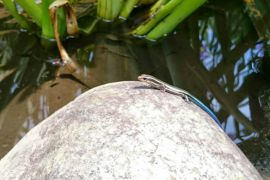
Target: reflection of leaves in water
[5,52]
[19,74]
[28,65]
[86,54]
[27,125]
[239,26]
[228,48]
[43,73]
[210,49]
[257,149]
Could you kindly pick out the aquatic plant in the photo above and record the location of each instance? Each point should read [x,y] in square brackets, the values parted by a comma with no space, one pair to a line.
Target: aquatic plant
[57,19]
[38,13]
[163,15]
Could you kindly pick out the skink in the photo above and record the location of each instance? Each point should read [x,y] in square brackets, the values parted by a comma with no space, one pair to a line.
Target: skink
[158,84]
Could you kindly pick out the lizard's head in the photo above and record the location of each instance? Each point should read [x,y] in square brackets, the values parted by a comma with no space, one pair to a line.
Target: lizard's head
[149,80]
[143,77]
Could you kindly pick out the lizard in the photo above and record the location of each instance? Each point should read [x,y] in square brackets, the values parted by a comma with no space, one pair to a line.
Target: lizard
[158,84]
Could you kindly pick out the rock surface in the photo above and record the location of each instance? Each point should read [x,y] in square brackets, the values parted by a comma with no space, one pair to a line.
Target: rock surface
[126,130]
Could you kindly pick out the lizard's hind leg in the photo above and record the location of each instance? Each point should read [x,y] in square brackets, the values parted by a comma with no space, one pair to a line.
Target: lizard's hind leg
[185,97]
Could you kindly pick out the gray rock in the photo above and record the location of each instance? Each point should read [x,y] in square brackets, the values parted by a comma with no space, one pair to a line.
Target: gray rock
[125,130]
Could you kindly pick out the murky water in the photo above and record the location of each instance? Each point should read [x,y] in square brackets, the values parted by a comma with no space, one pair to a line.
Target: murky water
[218,55]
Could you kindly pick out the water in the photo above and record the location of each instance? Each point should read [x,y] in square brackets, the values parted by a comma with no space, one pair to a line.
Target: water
[219,55]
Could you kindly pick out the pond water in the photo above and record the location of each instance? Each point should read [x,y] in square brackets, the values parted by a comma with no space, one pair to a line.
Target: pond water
[220,54]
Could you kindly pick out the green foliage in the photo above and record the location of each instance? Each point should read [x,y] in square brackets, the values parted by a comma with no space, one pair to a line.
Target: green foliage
[47,29]
[164,16]
[39,14]
[156,16]
[9,4]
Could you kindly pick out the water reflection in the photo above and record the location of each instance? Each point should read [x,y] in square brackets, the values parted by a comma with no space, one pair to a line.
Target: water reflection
[33,86]
[215,50]
[229,50]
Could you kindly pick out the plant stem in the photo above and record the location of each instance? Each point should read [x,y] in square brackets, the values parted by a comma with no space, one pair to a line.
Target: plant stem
[62,26]
[46,26]
[9,4]
[109,10]
[157,5]
[32,9]
[127,8]
[116,8]
[157,16]
[102,8]
[171,21]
